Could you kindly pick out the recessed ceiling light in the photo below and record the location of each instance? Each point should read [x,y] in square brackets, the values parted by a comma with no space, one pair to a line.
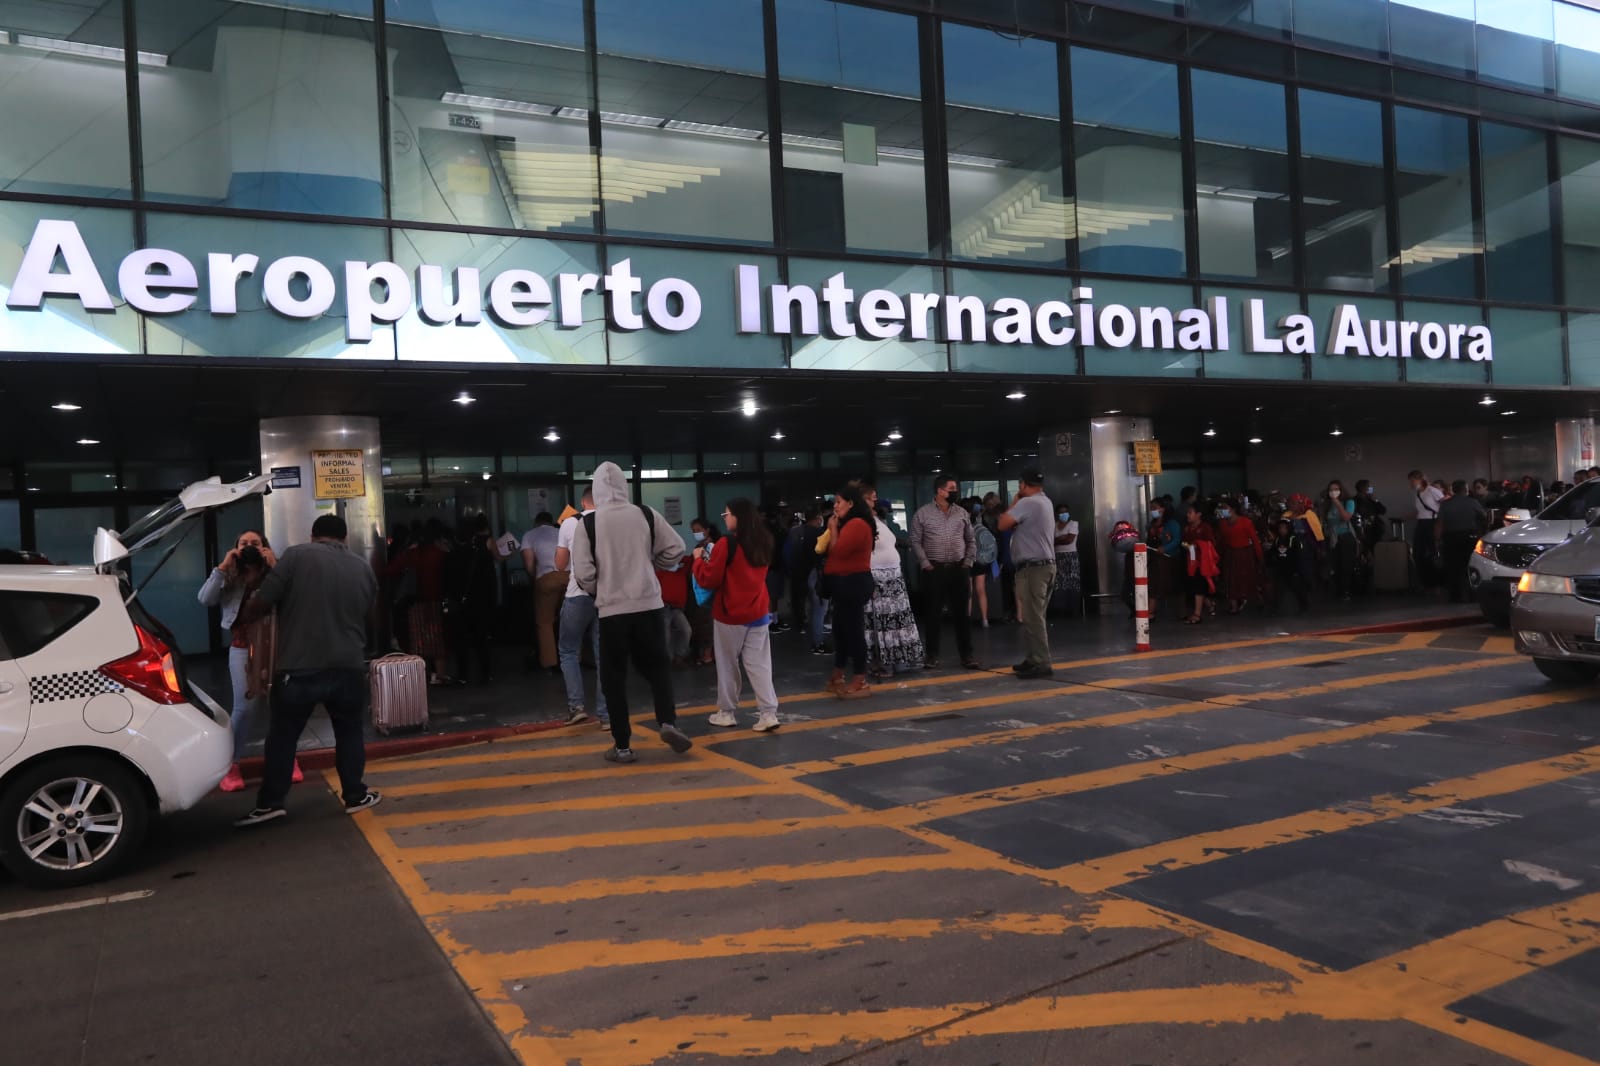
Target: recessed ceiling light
[1016,394]
[1114,411]
[1336,432]
[465,398]
[1504,413]
[1255,440]
[552,436]
[1211,431]
[749,408]
[894,434]
[1487,401]
[65,407]
[87,440]
[777,434]
[455,468]
[885,443]
[487,475]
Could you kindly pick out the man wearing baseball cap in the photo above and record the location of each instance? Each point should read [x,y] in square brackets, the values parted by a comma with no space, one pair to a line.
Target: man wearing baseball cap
[1032,518]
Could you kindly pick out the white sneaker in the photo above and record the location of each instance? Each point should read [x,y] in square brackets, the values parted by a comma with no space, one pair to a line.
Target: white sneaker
[724,718]
[766,723]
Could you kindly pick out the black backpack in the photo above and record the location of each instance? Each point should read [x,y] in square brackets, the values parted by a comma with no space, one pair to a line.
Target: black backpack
[588,527]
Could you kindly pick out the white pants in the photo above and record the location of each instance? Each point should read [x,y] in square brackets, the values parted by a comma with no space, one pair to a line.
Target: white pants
[246,709]
[752,647]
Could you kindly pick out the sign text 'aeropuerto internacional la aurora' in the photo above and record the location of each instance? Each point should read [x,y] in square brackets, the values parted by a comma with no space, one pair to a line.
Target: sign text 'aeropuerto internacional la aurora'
[157,281]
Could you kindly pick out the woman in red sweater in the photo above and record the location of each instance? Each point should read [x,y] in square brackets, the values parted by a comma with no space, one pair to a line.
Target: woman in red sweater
[1241,554]
[735,570]
[849,571]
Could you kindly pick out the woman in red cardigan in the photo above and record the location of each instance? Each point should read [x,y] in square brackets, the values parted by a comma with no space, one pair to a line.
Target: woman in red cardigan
[1241,554]
[848,571]
[735,570]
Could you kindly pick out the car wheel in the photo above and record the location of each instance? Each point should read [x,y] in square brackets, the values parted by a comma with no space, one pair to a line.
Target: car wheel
[1566,673]
[70,821]
[1498,619]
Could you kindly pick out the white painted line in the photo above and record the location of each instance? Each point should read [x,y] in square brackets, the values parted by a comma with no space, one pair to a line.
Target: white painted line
[98,901]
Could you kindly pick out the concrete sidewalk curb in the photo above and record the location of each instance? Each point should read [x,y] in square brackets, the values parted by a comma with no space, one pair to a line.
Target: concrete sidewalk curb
[323,758]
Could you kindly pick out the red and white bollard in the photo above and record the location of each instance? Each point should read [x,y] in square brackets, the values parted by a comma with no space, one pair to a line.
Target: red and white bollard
[1141,597]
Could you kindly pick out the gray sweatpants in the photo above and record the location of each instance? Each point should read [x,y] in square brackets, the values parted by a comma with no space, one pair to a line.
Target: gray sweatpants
[752,647]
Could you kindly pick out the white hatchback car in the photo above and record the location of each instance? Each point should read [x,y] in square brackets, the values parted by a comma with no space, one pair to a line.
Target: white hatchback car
[1503,554]
[100,729]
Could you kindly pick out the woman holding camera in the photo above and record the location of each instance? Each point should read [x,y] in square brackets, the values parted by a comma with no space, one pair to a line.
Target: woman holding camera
[228,586]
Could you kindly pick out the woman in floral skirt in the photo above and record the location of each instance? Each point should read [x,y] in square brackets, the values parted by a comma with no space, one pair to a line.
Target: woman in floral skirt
[894,644]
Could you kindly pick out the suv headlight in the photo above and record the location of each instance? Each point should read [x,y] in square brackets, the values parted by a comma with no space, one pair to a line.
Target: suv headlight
[1480,549]
[1547,584]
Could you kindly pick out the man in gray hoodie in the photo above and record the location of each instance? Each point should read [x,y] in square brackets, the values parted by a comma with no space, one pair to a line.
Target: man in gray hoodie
[615,557]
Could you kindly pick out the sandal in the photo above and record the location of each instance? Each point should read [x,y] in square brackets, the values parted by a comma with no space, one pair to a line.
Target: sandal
[1194,621]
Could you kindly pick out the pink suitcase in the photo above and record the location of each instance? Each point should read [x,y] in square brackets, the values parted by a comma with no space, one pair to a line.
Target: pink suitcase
[399,693]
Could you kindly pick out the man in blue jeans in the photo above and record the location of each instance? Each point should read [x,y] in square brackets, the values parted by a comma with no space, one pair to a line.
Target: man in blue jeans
[324,595]
[578,616]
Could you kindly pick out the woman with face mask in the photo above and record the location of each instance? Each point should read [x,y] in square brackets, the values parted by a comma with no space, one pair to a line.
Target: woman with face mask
[1241,555]
[701,653]
[1066,596]
[1338,523]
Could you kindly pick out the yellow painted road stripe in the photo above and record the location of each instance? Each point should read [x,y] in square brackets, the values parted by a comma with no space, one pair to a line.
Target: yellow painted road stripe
[498,849]
[966,803]
[578,803]
[678,764]
[819,936]
[746,877]
[1112,871]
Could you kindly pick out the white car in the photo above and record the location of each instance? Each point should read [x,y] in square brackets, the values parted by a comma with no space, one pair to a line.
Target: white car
[1503,554]
[100,730]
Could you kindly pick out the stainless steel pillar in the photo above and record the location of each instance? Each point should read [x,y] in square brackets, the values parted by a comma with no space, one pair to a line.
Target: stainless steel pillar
[287,444]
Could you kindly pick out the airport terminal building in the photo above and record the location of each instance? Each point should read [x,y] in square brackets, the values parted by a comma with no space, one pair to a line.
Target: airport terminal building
[751,247]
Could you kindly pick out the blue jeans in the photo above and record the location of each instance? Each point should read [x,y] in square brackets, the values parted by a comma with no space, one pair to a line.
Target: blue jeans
[578,614]
[295,695]
[819,609]
[246,709]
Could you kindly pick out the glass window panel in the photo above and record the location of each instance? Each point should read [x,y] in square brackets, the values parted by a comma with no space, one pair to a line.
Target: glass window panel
[1129,166]
[1577,52]
[64,129]
[1580,220]
[1342,181]
[800,460]
[1137,361]
[857,350]
[1422,366]
[171,592]
[168,477]
[1517,213]
[670,464]
[1003,128]
[1049,16]
[713,340]
[1435,33]
[61,324]
[493,340]
[261,106]
[1037,357]
[11,524]
[1433,182]
[535,464]
[490,124]
[1346,367]
[1238,361]
[95,475]
[683,145]
[728,462]
[1242,178]
[852,129]
[1270,15]
[65,535]
[1527,347]
[1583,347]
[1514,42]
[1360,25]
[257,330]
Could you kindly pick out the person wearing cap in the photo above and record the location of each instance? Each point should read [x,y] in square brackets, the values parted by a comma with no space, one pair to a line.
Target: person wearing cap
[1031,519]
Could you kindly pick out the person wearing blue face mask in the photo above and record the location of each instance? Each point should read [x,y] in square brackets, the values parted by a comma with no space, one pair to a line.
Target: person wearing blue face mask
[1165,537]
[1067,595]
[1241,555]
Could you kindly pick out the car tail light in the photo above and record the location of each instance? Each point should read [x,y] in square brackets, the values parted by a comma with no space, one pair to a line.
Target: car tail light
[150,671]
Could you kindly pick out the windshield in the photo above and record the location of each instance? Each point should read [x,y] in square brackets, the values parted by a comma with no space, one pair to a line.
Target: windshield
[1573,506]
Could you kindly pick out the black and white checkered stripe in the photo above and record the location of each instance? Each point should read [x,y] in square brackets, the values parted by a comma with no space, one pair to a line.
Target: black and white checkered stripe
[75,685]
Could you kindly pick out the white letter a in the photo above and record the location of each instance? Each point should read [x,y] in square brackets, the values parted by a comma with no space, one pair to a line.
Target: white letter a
[35,280]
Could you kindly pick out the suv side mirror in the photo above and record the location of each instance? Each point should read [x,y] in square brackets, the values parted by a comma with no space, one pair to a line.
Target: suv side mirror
[1591,517]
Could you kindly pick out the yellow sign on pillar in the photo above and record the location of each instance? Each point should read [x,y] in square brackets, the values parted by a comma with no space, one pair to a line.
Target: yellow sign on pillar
[1146,457]
[339,474]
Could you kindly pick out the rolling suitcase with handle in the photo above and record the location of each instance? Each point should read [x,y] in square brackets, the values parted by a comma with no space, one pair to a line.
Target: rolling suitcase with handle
[1391,566]
[399,693]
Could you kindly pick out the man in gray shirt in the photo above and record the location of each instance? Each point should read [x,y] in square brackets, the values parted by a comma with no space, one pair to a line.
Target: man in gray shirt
[1032,519]
[324,595]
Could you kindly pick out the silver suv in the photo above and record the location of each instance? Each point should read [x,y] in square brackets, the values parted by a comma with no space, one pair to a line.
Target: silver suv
[1503,554]
[1555,610]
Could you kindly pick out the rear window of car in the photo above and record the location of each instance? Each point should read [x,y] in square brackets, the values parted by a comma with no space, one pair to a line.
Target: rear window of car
[1575,504]
[30,621]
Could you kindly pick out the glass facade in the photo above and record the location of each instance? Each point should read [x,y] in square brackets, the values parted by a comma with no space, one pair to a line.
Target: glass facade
[603,182]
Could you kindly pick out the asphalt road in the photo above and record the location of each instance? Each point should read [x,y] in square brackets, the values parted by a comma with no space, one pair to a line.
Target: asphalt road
[1304,850]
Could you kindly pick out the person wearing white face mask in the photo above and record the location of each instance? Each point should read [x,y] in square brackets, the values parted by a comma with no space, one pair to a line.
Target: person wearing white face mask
[1338,521]
[1067,595]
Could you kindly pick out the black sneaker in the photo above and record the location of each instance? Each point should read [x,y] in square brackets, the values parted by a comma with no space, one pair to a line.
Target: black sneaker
[1026,664]
[576,715]
[676,738]
[621,755]
[821,649]
[1037,670]
[371,799]
[259,815]
[930,663]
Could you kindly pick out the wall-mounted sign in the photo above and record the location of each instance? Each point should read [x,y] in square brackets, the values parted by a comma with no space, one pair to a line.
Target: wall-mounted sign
[158,281]
[285,477]
[338,474]
[1147,457]
[673,510]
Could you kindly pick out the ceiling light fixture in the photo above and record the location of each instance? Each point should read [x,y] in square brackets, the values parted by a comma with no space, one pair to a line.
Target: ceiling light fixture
[465,398]
[1211,431]
[1255,440]
[777,434]
[84,49]
[1504,413]
[552,436]
[1016,394]
[749,408]
[894,434]
[65,407]
[1336,432]
[1114,411]
[1487,401]
[87,440]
